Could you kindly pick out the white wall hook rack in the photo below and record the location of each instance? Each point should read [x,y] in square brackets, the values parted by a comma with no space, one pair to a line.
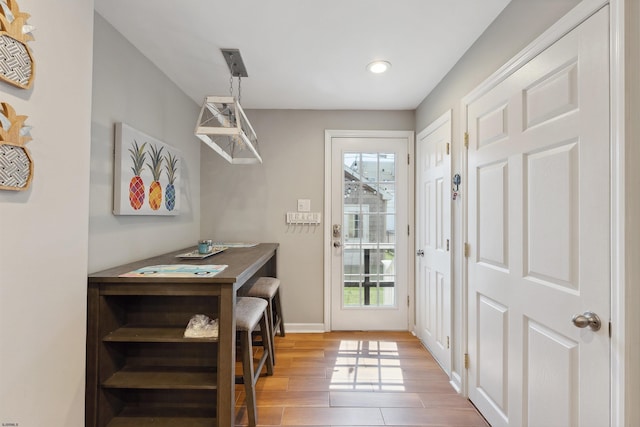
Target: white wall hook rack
[310,218]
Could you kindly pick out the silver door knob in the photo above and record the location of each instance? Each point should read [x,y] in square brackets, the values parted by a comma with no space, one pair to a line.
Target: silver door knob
[587,319]
[420,253]
[337,244]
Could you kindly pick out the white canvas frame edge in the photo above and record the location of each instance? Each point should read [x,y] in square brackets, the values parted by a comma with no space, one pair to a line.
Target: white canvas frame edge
[121,205]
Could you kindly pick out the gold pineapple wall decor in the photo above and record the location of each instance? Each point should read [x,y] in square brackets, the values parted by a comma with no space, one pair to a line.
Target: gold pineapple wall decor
[17,65]
[16,165]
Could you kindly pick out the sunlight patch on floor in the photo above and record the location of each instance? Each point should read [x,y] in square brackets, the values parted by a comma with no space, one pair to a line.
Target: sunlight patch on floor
[362,365]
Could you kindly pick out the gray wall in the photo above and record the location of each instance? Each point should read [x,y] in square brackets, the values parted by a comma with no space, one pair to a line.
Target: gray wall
[632,204]
[128,88]
[248,203]
[519,24]
[43,230]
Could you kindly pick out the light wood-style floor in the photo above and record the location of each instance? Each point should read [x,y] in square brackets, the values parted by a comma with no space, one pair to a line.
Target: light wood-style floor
[356,379]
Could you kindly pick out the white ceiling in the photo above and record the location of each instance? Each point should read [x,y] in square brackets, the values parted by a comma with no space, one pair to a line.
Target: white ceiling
[305,54]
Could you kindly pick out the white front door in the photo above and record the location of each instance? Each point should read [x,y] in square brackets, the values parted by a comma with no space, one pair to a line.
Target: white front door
[368,234]
[539,237]
[433,235]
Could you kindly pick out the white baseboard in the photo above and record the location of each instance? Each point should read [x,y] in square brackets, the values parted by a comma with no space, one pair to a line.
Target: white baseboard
[456,382]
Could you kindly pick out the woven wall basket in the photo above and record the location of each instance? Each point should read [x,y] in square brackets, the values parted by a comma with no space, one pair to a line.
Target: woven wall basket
[16,167]
[16,164]
[17,66]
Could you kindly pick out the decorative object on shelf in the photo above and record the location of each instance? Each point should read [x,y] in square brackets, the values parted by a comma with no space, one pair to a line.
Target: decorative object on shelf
[205,246]
[196,254]
[147,174]
[17,66]
[16,164]
[222,123]
[201,326]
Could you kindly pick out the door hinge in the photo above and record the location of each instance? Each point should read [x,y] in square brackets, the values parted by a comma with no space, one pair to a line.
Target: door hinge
[408,301]
[447,342]
[448,148]
[610,328]
[408,159]
[466,361]
[447,245]
[467,250]
[408,230]
[466,140]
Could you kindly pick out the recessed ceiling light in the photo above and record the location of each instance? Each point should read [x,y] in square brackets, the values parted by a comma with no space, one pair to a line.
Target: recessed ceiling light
[378,67]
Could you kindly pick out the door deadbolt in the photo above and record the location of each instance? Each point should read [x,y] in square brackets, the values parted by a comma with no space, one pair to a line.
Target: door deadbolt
[337,230]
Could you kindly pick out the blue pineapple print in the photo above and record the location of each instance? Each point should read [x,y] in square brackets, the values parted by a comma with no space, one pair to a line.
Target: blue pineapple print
[171,166]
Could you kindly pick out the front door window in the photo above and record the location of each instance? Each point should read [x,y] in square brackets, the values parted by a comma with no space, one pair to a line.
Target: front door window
[369,209]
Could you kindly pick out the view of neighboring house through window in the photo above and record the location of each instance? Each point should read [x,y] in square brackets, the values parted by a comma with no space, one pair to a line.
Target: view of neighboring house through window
[369,229]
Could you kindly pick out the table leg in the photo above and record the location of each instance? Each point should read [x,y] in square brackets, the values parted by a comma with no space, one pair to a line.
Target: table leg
[226,357]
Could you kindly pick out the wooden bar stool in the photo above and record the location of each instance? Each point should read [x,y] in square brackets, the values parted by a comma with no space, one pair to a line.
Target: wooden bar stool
[268,288]
[249,313]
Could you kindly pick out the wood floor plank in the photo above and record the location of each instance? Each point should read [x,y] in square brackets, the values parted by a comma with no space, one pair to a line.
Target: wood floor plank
[319,372]
[383,373]
[364,373]
[406,353]
[323,384]
[299,352]
[281,343]
[293,398]
[311,362]
[416,386]
[315,343]
[266,416]
[365,379]
[374,400]
[397,336]
[440,400]
[332,416]
[272,384]
[312,426]
[432,417]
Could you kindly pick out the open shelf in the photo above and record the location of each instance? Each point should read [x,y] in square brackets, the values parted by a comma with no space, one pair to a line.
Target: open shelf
[161,422]
[153,334]
[157,378]
[164,417]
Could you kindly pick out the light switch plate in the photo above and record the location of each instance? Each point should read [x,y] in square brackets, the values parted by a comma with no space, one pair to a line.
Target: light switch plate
[304,205]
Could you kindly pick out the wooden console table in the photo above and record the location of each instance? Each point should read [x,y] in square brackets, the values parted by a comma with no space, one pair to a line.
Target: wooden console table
[140,369]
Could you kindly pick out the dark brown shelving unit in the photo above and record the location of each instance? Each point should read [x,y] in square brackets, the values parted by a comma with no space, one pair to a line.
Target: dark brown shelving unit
[163,417]
[141,370]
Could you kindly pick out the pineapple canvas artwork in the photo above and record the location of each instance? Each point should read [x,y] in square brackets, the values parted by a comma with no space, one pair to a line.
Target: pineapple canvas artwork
[17,66]
[16,165]
[146,175]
